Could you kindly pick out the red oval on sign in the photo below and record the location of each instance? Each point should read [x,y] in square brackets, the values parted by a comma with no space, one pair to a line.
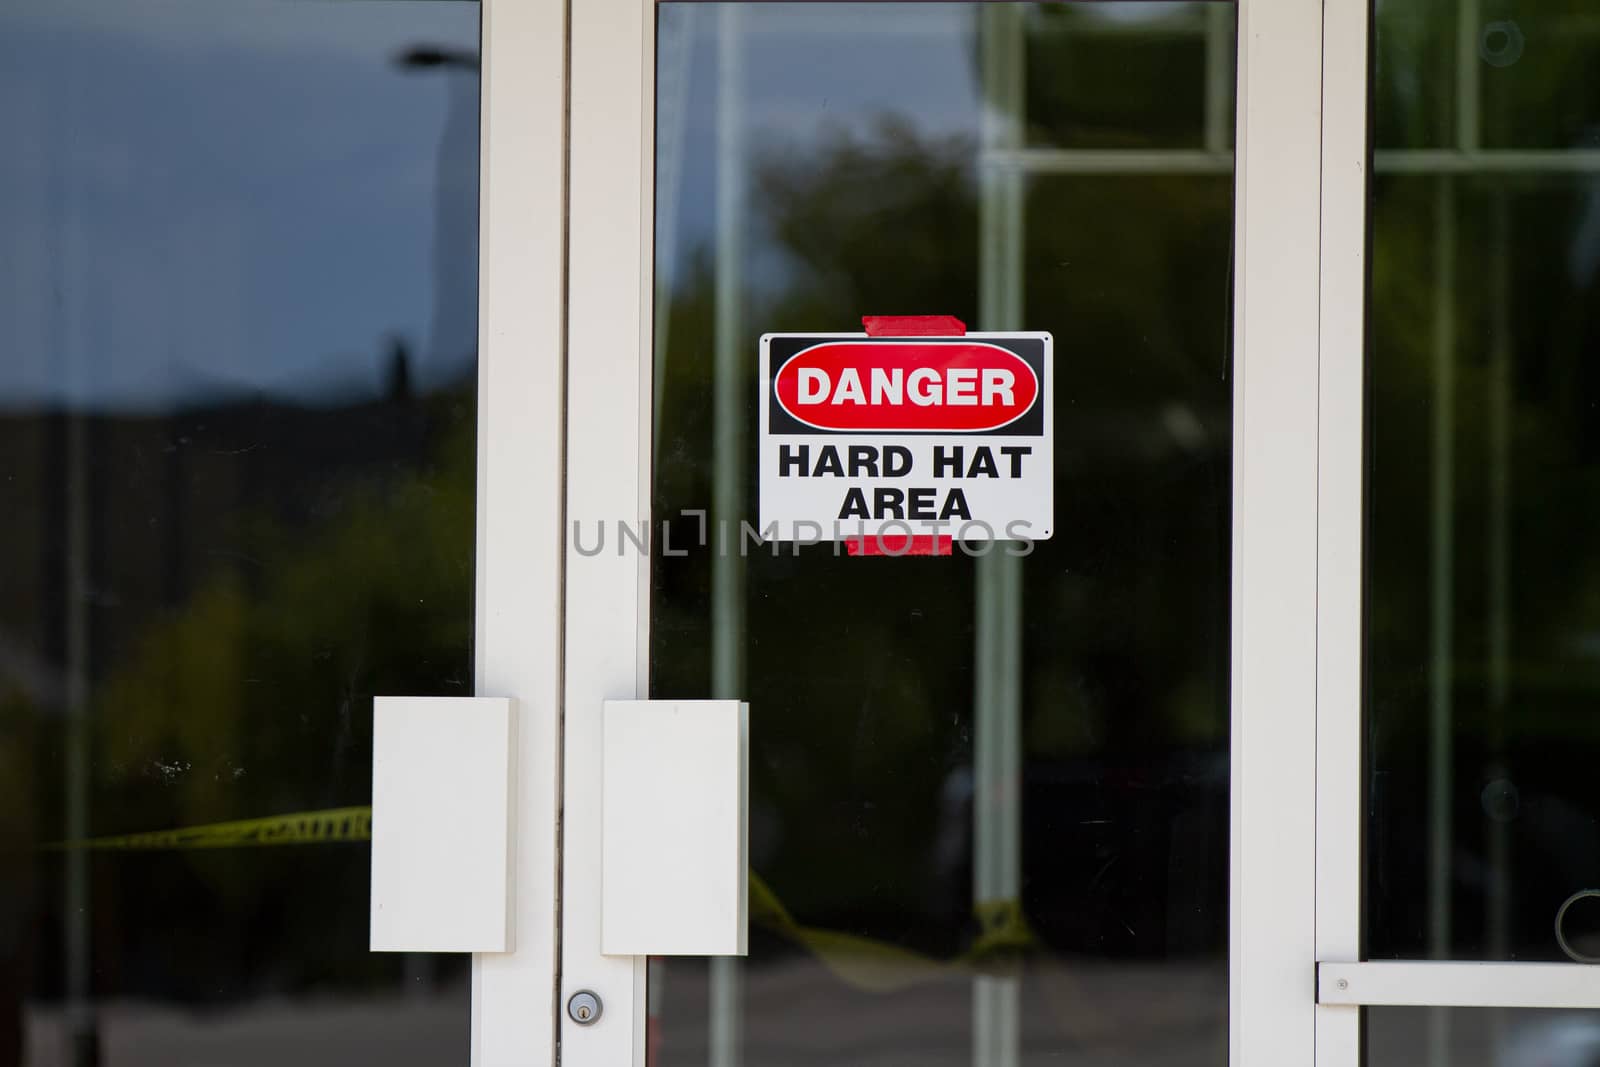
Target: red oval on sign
[955,387]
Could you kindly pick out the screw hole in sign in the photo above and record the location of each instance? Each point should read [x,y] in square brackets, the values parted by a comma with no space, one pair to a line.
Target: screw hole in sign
[907,544]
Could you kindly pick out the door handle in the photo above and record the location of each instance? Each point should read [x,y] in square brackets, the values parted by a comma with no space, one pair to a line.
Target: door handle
[441,819]
[674,825]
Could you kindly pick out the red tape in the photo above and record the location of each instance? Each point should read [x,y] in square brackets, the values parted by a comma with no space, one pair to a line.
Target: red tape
[900,545]
[913,326]
[907,544]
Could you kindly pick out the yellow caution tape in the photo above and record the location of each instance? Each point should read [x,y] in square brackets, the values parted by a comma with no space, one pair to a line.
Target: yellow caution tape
[862,962]
[300,828]
[879,967]
[874,966]
[1003,928]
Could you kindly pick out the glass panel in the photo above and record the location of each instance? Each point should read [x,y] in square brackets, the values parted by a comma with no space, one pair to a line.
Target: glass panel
[237,422]
[1414,65]
[1483,591]
[1073,51]
[1539,57]
[1482,1037]
[1491,73]
[989,796]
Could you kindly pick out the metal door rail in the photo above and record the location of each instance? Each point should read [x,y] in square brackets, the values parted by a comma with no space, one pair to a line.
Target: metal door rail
[1459,985]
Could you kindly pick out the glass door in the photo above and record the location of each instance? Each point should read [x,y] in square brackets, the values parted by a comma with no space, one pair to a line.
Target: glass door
[994,808]
[1460,833]
[238,451]
[280,432]
[988,790]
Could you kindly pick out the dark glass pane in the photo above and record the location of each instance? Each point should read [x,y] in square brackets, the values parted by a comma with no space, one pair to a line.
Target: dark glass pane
[1516,74]
[237,437]
[1482,1037]
[1483,623]
[955,854]
[1538,74]
[1174,62]
[1414,85]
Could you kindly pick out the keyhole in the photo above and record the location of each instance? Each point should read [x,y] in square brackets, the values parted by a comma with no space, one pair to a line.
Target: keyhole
[584,1007]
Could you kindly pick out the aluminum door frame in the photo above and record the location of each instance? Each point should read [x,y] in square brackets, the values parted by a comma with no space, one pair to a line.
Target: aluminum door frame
[1345,982]
[517,635]
[1280,328]
[1340,512]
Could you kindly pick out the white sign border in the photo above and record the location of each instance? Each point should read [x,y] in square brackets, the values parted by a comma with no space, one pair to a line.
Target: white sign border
[897,527]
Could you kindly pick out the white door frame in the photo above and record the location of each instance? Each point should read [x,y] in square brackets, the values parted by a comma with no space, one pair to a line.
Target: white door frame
[1340,510]
[521,310]
[609,271]
[1346,983]
[1277,403]
[1275,360]
[1301,203]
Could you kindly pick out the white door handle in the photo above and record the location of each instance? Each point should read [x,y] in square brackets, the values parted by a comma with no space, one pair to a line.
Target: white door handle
[675,801]
[441,816]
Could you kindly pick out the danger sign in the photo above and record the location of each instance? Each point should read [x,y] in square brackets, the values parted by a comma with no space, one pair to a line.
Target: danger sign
[941,436]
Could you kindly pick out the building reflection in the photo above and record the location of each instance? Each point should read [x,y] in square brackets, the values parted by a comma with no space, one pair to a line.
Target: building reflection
[237,455]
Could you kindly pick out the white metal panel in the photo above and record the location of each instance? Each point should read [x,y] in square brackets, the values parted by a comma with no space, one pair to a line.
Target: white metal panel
[1340,509]
[608,336]
[1462,985]
[1272,949]
[441,807]
[521,216]
[674,814]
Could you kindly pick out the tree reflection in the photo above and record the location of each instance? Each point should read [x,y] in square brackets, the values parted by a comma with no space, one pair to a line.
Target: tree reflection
[860,671]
